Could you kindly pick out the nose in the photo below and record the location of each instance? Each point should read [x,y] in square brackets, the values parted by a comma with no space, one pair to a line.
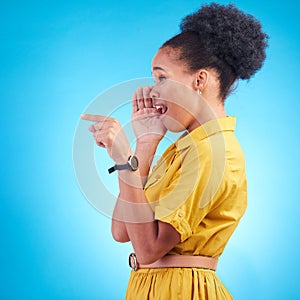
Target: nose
[154,93]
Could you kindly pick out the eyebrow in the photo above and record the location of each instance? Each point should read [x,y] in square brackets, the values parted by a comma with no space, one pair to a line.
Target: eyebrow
[159,68]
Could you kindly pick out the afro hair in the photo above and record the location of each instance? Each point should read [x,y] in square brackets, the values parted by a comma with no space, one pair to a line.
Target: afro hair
[231,35]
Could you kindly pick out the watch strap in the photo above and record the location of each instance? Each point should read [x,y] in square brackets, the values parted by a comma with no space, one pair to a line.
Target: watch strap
[118,167]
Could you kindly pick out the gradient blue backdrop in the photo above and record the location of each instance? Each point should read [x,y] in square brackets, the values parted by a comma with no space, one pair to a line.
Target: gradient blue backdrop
[56,56]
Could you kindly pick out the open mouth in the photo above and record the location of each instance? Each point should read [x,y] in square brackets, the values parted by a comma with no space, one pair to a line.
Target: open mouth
[162,109]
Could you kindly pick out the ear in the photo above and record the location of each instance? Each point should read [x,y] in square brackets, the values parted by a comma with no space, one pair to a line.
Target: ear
[201,80]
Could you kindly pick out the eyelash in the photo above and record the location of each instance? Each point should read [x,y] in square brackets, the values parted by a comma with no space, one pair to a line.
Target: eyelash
[160,79]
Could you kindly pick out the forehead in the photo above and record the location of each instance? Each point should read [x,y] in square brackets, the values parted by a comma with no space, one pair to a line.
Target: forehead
[166,58]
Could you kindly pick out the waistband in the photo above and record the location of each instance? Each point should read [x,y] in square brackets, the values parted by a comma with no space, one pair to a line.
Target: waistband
[177,261]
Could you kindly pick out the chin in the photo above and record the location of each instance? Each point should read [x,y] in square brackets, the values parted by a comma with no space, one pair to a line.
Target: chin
[173,125]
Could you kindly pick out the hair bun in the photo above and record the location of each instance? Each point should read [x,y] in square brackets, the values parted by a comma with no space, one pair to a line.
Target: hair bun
[231,35]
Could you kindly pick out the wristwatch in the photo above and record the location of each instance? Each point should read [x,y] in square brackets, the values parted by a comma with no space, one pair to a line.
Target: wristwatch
[132,165]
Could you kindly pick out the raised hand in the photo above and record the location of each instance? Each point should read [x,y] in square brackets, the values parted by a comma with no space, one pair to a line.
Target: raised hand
[109,134]
[146,122]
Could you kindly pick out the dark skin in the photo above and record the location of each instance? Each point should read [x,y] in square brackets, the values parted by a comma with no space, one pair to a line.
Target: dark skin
[152,239]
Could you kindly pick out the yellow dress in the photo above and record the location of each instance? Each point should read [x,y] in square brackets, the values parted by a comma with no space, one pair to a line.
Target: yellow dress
[199,187]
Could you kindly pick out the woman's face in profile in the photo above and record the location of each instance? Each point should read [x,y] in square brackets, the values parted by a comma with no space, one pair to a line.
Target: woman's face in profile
[173,92]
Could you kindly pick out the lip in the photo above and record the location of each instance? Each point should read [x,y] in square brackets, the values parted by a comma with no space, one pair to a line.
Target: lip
[161,108]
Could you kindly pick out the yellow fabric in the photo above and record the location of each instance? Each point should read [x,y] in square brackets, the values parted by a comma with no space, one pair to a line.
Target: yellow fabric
[176,284]
[199,187]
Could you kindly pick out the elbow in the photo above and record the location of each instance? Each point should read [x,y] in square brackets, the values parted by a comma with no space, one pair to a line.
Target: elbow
[118,237]
[119,233]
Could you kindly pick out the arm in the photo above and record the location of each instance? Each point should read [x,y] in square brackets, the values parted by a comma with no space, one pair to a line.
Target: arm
[150,239]
[118,228]
[145,152]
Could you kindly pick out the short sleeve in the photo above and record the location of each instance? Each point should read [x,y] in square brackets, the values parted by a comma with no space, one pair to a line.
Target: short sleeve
[185,201]
[177,219]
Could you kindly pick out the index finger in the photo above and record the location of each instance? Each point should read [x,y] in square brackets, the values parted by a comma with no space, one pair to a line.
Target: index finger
[93,118]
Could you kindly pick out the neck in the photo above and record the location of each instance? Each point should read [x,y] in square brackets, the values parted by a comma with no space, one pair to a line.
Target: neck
[219,110]
[215,105]
[207,110]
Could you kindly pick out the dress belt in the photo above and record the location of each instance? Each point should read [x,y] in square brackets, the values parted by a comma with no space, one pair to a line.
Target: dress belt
[177,261]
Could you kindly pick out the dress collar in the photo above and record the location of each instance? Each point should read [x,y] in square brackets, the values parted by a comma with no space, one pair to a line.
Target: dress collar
[205,130]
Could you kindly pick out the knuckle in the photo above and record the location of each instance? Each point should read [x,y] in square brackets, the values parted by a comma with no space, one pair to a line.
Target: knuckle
[110,135]
[98,126]
[116,123]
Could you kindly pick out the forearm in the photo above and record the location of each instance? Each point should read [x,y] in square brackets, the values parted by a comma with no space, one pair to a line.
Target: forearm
[137,214]
[150,239]
[145,152]
[118,227]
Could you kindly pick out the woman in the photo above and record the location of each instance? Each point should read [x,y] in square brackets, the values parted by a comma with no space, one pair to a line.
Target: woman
[181,216]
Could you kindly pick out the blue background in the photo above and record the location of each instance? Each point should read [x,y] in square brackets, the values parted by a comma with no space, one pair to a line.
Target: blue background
[56,56]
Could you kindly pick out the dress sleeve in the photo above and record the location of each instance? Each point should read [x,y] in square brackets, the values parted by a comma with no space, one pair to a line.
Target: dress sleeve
[187,198]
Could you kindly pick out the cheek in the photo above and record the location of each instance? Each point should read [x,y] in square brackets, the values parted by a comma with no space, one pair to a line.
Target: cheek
[181,114]
[177,118]
[177,93]
[173,95]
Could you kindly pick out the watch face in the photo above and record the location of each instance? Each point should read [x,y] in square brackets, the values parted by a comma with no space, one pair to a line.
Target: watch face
[134,163]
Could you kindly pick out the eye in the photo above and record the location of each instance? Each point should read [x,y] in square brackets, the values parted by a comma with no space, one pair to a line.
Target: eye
[159,79]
